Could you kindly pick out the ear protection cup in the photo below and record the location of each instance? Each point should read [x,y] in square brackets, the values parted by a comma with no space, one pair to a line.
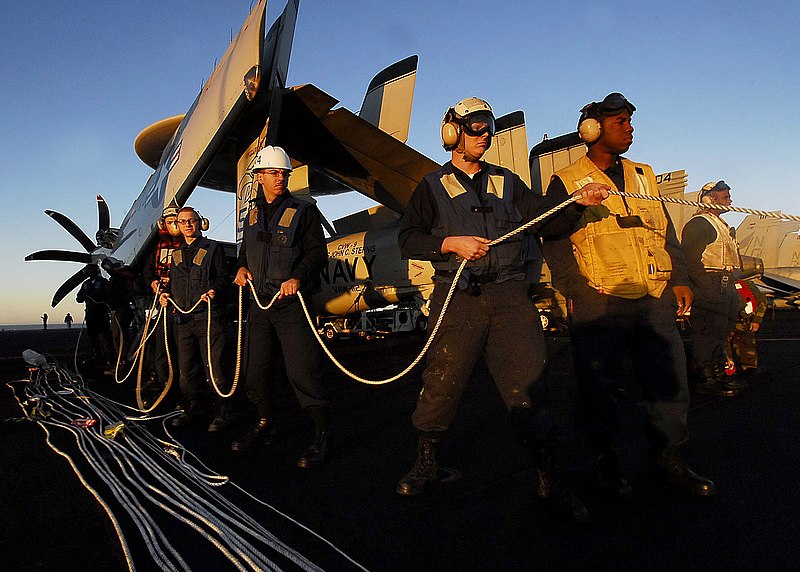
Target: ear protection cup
[705,193]
[589,130]
[204,224]
[163,227]
[451,132]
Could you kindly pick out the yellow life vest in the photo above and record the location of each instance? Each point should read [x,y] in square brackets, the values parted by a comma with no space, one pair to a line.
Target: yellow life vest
[723,253]
[625,262]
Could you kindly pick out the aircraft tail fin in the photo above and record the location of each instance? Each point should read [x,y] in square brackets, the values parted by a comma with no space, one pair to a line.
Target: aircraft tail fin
[673,184]
[278,46]
[387,103]
[550,155]
[509,146]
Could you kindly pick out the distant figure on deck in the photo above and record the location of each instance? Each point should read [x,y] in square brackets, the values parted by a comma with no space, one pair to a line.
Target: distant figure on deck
[712,254]
[94,293]
[68,320]
[742,344]
[44,321]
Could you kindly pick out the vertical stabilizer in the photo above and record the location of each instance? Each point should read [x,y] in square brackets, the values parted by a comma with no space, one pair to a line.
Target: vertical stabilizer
[387,104]
[550,155]
[278,46]
[509,146]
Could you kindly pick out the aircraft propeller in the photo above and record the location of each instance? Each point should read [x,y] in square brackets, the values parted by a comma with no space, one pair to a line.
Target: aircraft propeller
[105,236]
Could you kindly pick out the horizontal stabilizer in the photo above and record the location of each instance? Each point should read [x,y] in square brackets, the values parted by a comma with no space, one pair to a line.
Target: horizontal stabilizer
[349,149]
[367,220]
[780,283]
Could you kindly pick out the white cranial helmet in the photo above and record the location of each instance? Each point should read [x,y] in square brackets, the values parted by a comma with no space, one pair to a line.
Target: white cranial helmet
[271,157]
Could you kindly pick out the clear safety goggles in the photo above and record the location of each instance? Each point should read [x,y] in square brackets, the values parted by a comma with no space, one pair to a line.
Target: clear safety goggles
[479,123]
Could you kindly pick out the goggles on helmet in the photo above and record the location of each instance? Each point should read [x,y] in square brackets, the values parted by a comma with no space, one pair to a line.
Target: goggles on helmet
[477,124]
[613,104]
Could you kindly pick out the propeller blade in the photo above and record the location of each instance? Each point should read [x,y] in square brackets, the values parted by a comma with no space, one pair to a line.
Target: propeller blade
[60,256]
[73,229]
[103,215]
[72,282]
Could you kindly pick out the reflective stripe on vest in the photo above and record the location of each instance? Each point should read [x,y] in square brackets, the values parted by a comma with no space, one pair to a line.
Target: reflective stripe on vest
[188,284]
[272,247]
[491,215]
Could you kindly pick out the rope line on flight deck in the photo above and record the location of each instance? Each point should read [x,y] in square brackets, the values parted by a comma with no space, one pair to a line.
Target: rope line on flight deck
[442,313]
[138,356]
[661,199]
[213,380]
[133,473]
[448,298]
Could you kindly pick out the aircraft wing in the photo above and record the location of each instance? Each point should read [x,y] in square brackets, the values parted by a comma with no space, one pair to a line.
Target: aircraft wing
[781,283]
[200,134]
[348,148]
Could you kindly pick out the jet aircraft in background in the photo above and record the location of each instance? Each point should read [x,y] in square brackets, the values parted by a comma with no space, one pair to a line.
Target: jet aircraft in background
[777,244]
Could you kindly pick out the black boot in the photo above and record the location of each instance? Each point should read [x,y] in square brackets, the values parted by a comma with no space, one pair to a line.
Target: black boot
[667,465]
[711,384]
[193,414]
[552,490]
[733,381]
[425,470]
[261,434]
[610,476]
[317,451]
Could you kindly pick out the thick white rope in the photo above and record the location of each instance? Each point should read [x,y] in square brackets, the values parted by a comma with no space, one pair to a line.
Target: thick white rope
[450,293]
[658,198]
[139,354]
[213,380]
[213,516]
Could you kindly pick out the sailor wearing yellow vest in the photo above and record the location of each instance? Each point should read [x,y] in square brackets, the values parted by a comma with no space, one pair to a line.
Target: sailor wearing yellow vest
[624,276]
[712,254]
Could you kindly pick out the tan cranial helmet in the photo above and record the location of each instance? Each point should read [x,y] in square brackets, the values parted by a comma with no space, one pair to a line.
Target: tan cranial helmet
[712,187]
[471,115]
